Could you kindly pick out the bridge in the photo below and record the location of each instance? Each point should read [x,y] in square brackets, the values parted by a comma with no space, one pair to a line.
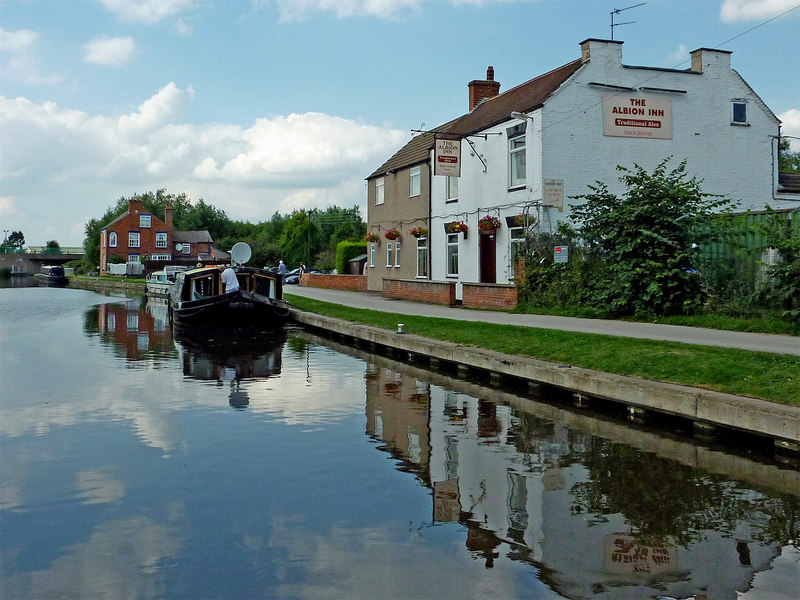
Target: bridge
[32,258]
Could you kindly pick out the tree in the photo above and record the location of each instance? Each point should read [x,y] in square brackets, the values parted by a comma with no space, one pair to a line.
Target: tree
[788,161]
[647,238]
[783,285]
[300,239]
[53,244]
[16,239]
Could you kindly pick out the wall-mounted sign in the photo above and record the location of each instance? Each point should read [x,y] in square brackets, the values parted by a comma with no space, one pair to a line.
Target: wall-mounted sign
[637,116]
[447,158]
[554,193]
[560,254]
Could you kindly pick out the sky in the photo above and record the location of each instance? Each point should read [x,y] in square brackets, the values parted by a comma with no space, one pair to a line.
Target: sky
[264,106]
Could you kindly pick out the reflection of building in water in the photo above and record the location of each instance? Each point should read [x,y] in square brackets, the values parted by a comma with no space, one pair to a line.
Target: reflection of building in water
[533,490]
[139,334]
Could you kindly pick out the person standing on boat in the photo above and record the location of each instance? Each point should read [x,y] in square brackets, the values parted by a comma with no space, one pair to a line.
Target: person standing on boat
[282,270]
[229,279]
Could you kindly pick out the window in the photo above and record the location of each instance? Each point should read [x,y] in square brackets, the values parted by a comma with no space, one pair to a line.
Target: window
[160,257]
[422,257]
[161,239]
[397,254]
[379,191]
[133,239]
[186,248]
[739,112]
[415,182]
[452,254]
[134,258]
[516,160]
[144,221]
[372,255]
[389,254]
[112,239]
[517,246]
[452,189]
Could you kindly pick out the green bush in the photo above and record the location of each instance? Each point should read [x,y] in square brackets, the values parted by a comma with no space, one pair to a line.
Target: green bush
[346,251]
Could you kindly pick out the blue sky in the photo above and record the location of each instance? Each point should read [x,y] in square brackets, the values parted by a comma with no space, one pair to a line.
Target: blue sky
[259,106]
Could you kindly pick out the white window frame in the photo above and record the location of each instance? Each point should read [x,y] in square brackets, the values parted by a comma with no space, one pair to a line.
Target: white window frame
[160,257]
[452,252]
[451,190]
[743,103]
[112,239]
[397,254]
[186,248]
[389,254]
[414,181]
[422,257]
[372,255]
[134,239]
[517,163]
[161,239]
[380,192]
[134,259]
[516,246]
[145,221]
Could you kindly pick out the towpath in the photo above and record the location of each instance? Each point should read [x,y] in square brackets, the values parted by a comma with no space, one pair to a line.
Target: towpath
[759,342]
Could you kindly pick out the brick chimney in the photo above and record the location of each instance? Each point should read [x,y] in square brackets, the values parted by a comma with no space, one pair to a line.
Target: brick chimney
[168,215]
[710,59]
[483,90]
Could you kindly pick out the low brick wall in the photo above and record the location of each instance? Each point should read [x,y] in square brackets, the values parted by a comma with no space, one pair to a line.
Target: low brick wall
[422,290]
[355,283]
[488,295]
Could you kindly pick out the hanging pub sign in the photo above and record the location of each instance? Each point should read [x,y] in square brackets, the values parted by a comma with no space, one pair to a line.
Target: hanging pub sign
[447,158]
[637,116]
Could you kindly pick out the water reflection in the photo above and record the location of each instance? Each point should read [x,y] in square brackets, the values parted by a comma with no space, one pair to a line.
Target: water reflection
[227,357]
[124,472]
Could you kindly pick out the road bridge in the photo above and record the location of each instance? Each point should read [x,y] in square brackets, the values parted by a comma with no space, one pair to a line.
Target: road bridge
[32,259]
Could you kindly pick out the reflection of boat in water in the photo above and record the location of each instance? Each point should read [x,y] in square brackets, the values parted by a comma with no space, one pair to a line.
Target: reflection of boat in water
[199,297]
[52,275]
[227,355]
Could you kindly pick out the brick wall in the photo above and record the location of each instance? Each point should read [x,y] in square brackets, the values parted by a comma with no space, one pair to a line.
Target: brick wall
[357,283]
[488,295]
[423,290]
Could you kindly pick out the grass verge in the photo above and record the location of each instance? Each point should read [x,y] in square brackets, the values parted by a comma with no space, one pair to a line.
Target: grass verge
[773,377]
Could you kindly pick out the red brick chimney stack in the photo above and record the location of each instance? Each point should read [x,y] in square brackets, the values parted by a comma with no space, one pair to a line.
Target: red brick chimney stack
[168,215]
[483,90]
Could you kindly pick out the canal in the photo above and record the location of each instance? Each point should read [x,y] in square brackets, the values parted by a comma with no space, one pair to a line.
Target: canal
[135,463]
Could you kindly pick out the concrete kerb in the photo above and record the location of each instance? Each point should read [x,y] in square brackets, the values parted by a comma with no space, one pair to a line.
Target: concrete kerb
[705,406]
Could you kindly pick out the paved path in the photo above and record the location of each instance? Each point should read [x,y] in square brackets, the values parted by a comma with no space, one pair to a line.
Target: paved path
[761,342]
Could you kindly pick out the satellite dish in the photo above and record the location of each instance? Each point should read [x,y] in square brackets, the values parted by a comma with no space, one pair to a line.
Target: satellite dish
[240,253]
[178,247]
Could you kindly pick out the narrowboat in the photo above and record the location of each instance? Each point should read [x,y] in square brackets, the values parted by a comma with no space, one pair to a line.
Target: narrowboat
[52,275]
[198,297]
[157,285]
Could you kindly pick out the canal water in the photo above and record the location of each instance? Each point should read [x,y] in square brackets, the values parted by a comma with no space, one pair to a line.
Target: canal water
[135,463]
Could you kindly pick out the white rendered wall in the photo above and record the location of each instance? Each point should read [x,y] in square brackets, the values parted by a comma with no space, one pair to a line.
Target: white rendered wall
[565,141]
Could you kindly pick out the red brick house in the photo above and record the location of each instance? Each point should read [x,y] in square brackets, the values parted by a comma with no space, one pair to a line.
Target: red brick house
[139,237]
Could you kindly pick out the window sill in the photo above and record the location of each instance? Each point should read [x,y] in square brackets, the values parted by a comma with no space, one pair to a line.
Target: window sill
[735,124]
[516,188]
[451,201]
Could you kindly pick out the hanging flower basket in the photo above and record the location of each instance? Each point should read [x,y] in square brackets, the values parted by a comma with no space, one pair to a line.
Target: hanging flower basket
[520,220]
[371,237]
[392,234]
[488,223]
[455,227]
[418,232]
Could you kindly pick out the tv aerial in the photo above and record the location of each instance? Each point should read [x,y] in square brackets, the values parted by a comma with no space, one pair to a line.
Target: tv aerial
[616,11]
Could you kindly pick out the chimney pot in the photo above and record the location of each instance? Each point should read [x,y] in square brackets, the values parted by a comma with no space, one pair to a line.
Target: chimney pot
[480,90]
[490,74]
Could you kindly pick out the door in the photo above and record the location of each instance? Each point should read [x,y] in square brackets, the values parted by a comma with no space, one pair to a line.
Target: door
[488,258]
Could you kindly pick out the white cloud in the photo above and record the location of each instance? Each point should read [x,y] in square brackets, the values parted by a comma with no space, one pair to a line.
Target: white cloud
[17,41]
[67,164]
[790,126]
[110,52]
[681,54]
[297,10]
[146,11]
[20,64]
[733,11]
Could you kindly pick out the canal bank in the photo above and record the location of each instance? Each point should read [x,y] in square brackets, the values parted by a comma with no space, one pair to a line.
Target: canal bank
[707,409]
